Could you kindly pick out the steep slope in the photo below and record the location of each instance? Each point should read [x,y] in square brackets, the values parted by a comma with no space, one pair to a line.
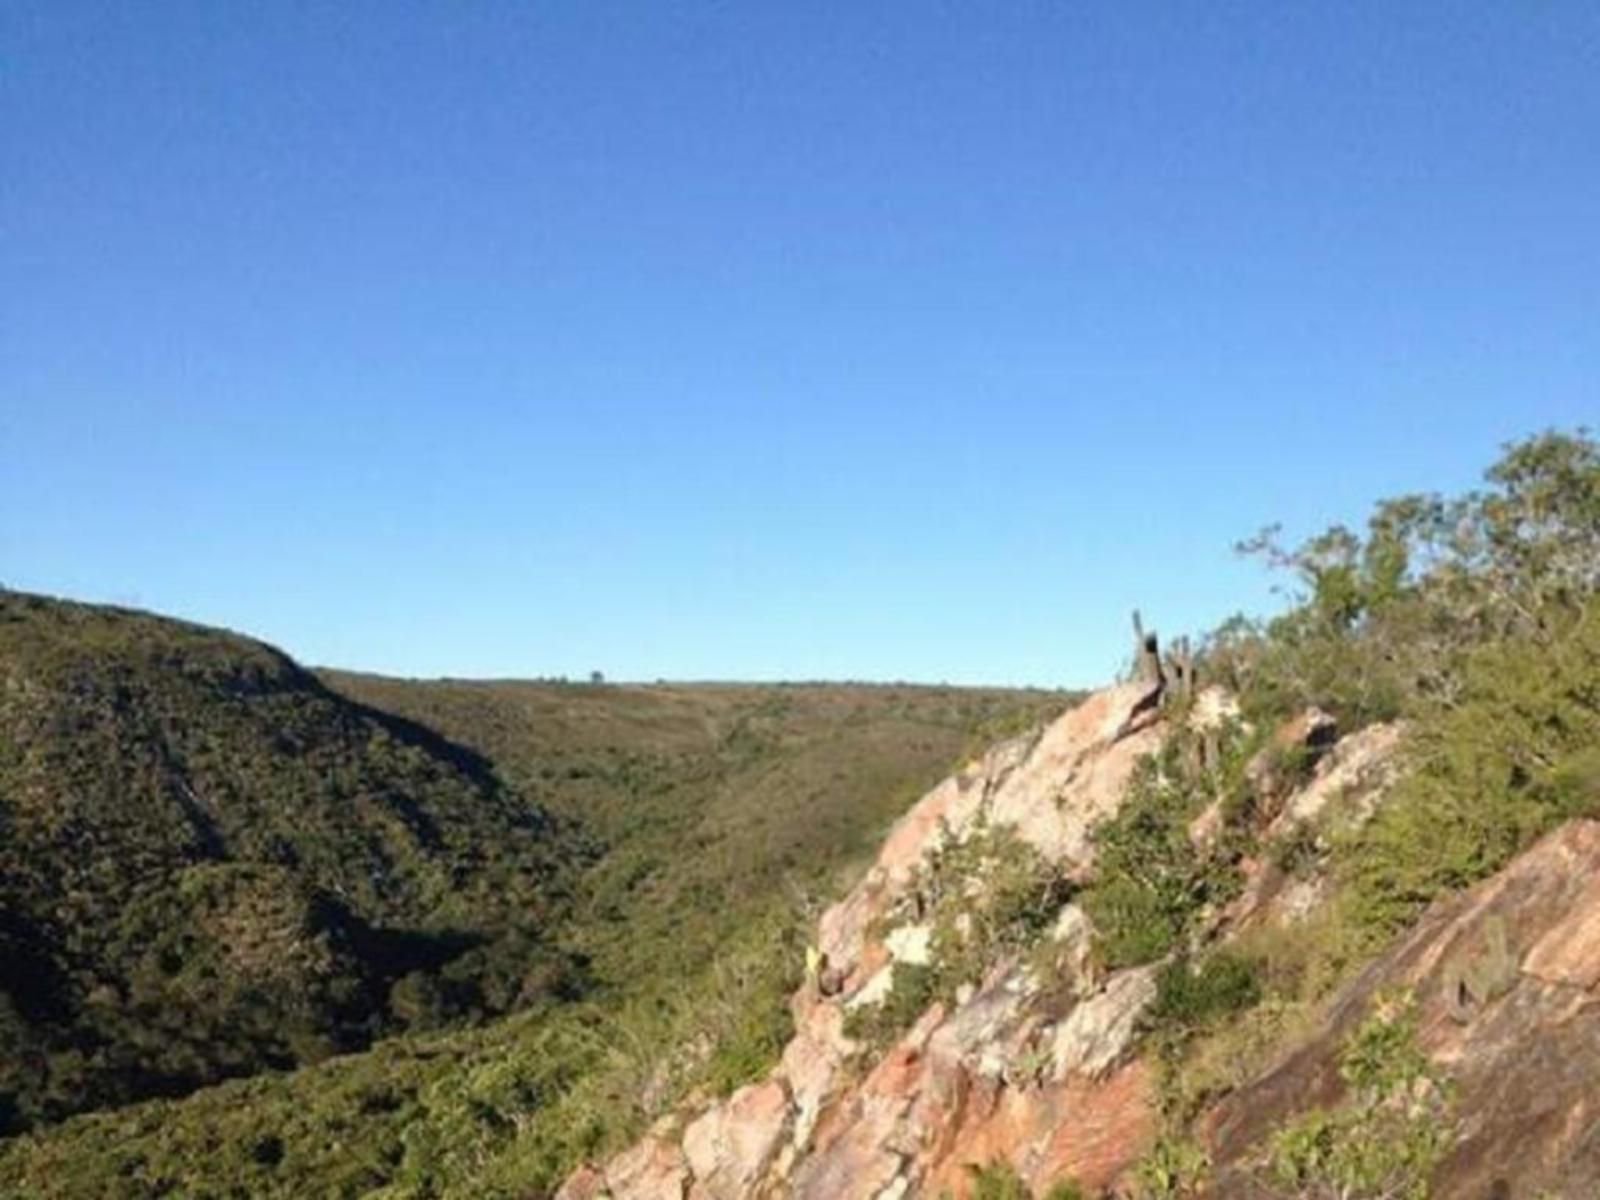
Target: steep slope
[1504,985]
[849,1113]
[209,863]
[216,862]
[987,1055]
[713,805]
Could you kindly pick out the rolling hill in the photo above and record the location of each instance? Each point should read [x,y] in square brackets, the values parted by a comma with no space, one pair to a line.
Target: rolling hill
[211,863]
[214,862]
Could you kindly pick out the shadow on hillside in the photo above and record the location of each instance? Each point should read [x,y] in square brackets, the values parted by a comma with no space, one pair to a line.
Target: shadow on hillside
[411,733]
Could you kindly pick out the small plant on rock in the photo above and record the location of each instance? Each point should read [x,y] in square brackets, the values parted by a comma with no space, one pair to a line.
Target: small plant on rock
[998,1180]
[1175,1168]
[911,990]
[1384,1143]
[982,897]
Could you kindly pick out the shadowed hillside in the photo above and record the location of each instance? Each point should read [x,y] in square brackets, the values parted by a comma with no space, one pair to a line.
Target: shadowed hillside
[214,862]
[210,863]
[709,802]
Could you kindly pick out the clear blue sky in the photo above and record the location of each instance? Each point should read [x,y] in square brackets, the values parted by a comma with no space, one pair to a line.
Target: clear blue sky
[754,340]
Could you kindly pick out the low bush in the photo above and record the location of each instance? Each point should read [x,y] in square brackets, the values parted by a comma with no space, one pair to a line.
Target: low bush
[1175,1168]
[999,1180]
[1191,997]
[1385,1141]
[1151,879]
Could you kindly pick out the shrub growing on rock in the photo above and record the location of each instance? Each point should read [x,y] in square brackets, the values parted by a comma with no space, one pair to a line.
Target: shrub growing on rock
[982,897]
[1385,1141]
[1191,996]
[1151,878]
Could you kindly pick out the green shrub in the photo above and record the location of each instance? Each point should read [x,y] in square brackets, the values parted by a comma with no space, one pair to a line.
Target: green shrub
[1151,880]
[1384,1143]
[1511,754]
[1190,997]
[1175,1168]
[999,1180]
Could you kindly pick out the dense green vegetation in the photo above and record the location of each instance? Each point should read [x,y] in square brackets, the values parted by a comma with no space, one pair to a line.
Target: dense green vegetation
[217,863]
[1152,879]
[1475,620]
[710,803]
[213,863]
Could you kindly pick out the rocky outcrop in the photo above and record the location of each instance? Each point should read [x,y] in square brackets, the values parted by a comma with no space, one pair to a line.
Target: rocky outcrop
[1358,767]
[1506,978]
[652,1169]
[980,1079]
[1349,778]
[731,1145]
[1039,1073]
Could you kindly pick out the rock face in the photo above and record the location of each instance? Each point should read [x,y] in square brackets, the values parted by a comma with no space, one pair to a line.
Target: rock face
[1349,777]
[988,1078]
[1506,977]
[1362,764]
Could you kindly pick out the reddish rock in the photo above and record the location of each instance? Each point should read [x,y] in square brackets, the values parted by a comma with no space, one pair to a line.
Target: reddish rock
[588,1182]
[1086,1130]
[1569,951]
[976,1079]
[1106,1125]
[1523,1058]
[731,1145]
[652,1169]
[811,1064]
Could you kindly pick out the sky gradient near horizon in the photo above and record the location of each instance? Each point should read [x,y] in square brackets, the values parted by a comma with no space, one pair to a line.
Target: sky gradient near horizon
[711,340]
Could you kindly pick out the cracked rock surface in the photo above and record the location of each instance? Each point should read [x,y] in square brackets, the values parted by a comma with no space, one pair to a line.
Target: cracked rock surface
[1506,977]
